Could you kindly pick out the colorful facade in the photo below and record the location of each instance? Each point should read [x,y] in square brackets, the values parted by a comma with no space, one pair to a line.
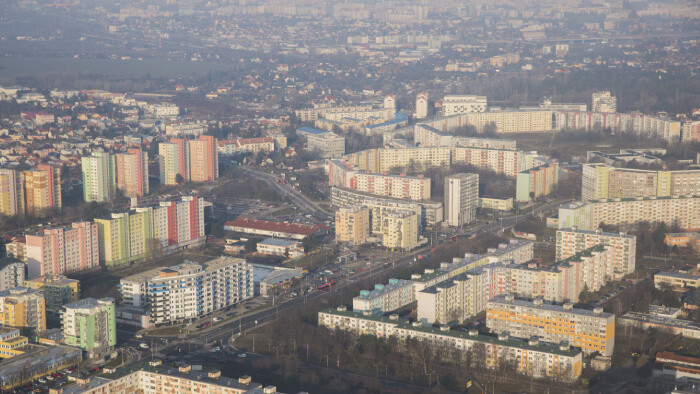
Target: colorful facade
[132,173]
[99,177]
[58,251]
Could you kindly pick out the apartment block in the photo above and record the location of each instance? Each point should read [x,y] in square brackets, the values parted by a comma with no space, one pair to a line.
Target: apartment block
[126,237]
[253,145]
[627,123]
[157,379]
[90,324]
[536,182]
[461,198]
[184,128]
[590,330]
[194,160]
[11,273]
[203,159]
[431,212]
[58,291]
[462,104]
[42,189]
[23,307]
[11,193]
[132,172]
[601,182]
[328,144]
[396,186]
[501,161]
[421,105]
[352,224]
[625,213]
[17,249]
[453,300]
[603,102]
[99,177]
[384,298]
[564,280]
[63,250]
[400,230]
[189,290]
[426,135]
[572,241]
[533,357]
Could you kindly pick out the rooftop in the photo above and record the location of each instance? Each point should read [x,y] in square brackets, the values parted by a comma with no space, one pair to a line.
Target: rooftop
[660,320]
[501,299]
[283,243]
[267,225]
[484,338]
[380,290]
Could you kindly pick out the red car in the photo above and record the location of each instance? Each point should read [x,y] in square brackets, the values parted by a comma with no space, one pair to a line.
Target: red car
[359,269]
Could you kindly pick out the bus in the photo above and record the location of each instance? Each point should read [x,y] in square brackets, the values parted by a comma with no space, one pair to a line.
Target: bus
[332,283]
[324,287]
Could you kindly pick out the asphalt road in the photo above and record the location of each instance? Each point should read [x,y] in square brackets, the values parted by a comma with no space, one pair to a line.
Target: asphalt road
[295,195]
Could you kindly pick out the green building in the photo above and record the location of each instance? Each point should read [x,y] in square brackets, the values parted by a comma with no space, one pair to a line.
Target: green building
[90,324]
[99,177]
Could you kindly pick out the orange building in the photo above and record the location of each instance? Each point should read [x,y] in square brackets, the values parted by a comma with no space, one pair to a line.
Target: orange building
[42,189]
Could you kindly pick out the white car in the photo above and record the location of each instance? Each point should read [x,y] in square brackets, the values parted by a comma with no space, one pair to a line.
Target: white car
[216,319]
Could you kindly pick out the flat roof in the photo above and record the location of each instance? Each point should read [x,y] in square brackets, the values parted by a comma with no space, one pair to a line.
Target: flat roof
[678,275]
[404,324]
[660,320]
[393,285]
[285,243]
[268,225]
[547,306]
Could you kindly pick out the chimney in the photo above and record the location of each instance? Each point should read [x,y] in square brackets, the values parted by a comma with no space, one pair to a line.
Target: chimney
[245,380]
[342,308]
[270,390]
[564,345]
[215,374]
[598,311]
[473,332]
[568,306]
[185,368]
[444,328]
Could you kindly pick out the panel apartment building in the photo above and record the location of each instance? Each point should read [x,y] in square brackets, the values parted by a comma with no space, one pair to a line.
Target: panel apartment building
[188,290]
[572,241]
[63,250]
[603,182]
[23,307]
[132,172]
[461,198]
[194,160]
[99,177]
[125,237]
[352,224]
[625,213]
[590,330]
[533,357]
[90,324]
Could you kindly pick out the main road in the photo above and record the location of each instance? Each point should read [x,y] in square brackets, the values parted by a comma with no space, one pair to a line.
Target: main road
[294,195]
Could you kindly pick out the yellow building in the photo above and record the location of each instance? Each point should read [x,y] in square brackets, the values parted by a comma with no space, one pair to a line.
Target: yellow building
[602,182]
[11,342]
[352,224]
[400,230]
[11,193]
[58,291]
[42,189]
[496,203]
[23,307]
[591,330]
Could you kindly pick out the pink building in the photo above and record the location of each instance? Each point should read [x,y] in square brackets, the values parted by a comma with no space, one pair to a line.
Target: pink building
[63,250]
